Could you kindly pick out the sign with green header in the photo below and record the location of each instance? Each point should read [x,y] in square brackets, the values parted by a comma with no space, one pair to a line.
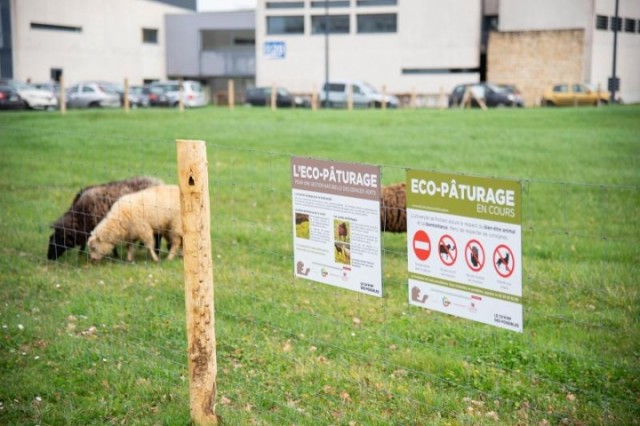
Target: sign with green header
[464,246]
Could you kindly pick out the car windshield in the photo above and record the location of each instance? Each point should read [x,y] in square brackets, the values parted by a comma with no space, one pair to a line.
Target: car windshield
[22,86]
[497,89]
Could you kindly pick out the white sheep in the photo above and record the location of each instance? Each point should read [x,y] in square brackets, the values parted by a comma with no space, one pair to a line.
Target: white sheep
[137,217]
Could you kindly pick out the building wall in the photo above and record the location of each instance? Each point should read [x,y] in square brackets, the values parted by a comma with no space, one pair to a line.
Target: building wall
[518,16]
[108,46]
[184,48]
[433,36]
[534,60]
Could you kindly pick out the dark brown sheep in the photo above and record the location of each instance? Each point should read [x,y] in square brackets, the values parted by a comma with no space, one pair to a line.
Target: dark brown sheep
[88,208]
[393,208]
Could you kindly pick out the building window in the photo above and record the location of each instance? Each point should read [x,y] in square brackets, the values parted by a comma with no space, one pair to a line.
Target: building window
[285,25]
[331,3]
[630,25]
[51,27]
[285,5]
[377,2]
[378,23]
[150,35]
[338,24]
[602,22]
[616,24]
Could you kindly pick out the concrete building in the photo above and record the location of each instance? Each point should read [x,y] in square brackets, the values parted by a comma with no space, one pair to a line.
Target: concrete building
[85,39]
[547,42]
[421,45]
[213,48]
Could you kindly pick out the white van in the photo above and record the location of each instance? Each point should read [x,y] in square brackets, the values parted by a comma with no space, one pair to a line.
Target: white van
[193,93]
[363,95]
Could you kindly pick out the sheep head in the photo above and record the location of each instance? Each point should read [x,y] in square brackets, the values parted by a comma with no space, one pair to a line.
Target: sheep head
[99,248]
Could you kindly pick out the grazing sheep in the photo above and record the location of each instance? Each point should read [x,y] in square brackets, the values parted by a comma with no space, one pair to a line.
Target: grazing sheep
[89,207]
[138,216]
[393,208]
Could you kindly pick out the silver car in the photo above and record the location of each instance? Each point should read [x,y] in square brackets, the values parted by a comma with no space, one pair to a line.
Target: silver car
[91,94]
[193,94]
[33,97]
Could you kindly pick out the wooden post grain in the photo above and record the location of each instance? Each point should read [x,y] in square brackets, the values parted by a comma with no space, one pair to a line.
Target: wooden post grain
[193,180]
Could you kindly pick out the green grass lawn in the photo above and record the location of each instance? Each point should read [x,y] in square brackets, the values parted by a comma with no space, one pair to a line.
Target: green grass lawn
[84,343]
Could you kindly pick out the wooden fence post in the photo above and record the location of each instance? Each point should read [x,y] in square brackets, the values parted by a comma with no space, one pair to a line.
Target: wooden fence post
[193,179]
[63,97]
[126,95]
[314,98]
[274,97]
[384,97]
[231,94]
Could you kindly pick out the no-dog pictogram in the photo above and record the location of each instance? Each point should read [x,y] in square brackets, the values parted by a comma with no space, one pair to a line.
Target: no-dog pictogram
[447,250]
[421,245]
[503,261]
[474,255]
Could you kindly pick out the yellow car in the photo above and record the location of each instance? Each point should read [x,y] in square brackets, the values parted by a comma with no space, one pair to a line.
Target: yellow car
[573,94]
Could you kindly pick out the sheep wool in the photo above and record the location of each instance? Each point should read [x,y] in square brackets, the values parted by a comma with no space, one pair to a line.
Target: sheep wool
[138,217]
[89,207]
[393,208]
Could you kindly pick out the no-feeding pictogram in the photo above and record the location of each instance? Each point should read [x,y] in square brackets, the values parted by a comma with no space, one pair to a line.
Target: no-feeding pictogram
[447,250]
[474,255]
[503,261]
[421,245]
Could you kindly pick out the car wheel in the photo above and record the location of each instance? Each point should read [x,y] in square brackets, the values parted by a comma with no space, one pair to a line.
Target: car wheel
[548,103]
[94,105]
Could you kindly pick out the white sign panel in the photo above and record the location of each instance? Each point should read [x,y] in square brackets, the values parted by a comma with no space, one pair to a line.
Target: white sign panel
[336,224]
[464,247]
[275,49]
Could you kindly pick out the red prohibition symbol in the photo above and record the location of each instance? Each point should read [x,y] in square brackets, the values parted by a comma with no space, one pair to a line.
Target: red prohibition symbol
[447,250]
[421,245]
[474,255]
[503,261]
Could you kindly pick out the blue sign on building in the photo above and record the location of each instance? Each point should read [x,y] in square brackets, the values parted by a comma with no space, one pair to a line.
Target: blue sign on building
[275,49]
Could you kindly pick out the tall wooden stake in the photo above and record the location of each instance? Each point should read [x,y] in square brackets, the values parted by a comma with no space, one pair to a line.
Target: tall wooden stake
[193,179]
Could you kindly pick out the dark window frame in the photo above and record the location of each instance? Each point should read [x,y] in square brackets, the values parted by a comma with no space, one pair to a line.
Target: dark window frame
[150,35]
[615,22]
[285,5]
[333,29]
[368,3]
[602,22]
[276,31]
[629,25]
[332,3]
[55,27]
[364,20]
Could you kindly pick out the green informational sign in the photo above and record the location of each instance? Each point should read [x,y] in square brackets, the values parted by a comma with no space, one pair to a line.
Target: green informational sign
[464,246]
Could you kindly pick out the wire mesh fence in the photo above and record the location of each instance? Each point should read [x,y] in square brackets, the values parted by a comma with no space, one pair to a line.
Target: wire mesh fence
[292,351]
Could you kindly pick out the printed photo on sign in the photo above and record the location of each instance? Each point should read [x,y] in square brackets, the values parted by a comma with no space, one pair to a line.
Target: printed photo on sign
[336,210]
[464,247]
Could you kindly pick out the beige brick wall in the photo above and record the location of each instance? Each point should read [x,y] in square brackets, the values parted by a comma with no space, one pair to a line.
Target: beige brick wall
[535,60]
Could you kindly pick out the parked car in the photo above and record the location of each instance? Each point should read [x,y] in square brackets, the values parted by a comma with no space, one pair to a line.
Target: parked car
[157,95]
[9,98]
[139,96]
[261,96]
[363,95]
[192,92]
[93,94]
[32,97]
[573,94]
[493,95]
[50,86]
